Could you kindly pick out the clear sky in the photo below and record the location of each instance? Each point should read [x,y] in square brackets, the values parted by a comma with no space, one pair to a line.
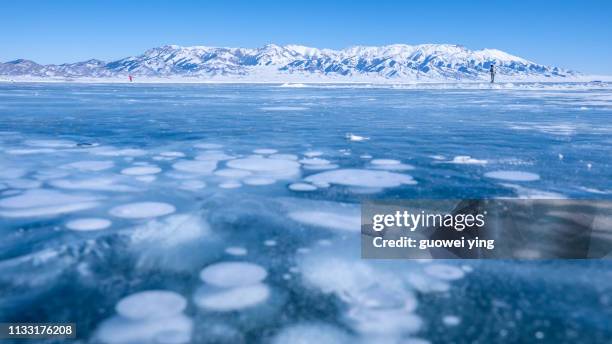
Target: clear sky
[571,34]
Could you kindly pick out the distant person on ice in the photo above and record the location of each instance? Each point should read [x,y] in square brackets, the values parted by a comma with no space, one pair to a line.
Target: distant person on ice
[492,70]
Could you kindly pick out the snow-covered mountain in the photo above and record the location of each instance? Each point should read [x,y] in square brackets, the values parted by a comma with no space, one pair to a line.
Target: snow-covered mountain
[398,62]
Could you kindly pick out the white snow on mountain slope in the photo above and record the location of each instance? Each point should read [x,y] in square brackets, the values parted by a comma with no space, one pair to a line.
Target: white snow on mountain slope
[397,62]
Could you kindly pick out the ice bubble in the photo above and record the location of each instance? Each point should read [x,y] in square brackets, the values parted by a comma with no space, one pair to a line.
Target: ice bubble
[232,173]
[270,243]
[357,177]
[284,156]
[146,178]
[231,299]
[390,164]
[127,152]
[265,151]
[467,160]
[312,154]
[26,151]
[320,167]
[356,138]
[385,162]
[427,284]
[208,146]
[236,251]
[284,108]
[327,219]
[315,161]
[230,185]
[214,155]
[301,187]
[233,274]
[365,156]
[11,173]
[90,165]
[142,210]
[451,320]
[88,224]
[160,235]
[263,164]
[516,176]
[311,333]
[384,321]
[192,185]
[529,193]
[99,184]
[51,143]
[40,202]
[196,166]
[140,170]
[172,154]
[151,304]
[257,181]
[121,330]
[444,272]
[23,183]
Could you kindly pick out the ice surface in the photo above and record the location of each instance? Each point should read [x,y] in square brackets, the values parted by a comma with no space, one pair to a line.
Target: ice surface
[233,274]
[142,210]
[515,176]
[307,243]
[88,224]
[151,304]
[365,178]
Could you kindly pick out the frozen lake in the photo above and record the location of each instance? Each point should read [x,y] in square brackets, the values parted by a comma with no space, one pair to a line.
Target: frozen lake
[230,213]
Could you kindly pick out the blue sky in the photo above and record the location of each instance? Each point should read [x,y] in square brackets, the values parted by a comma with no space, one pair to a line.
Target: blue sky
[571,34]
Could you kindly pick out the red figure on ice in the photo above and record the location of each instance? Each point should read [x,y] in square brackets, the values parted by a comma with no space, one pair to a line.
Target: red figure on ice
[131,78]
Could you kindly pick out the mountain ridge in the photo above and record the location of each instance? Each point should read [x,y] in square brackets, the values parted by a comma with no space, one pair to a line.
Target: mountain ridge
[395,62]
